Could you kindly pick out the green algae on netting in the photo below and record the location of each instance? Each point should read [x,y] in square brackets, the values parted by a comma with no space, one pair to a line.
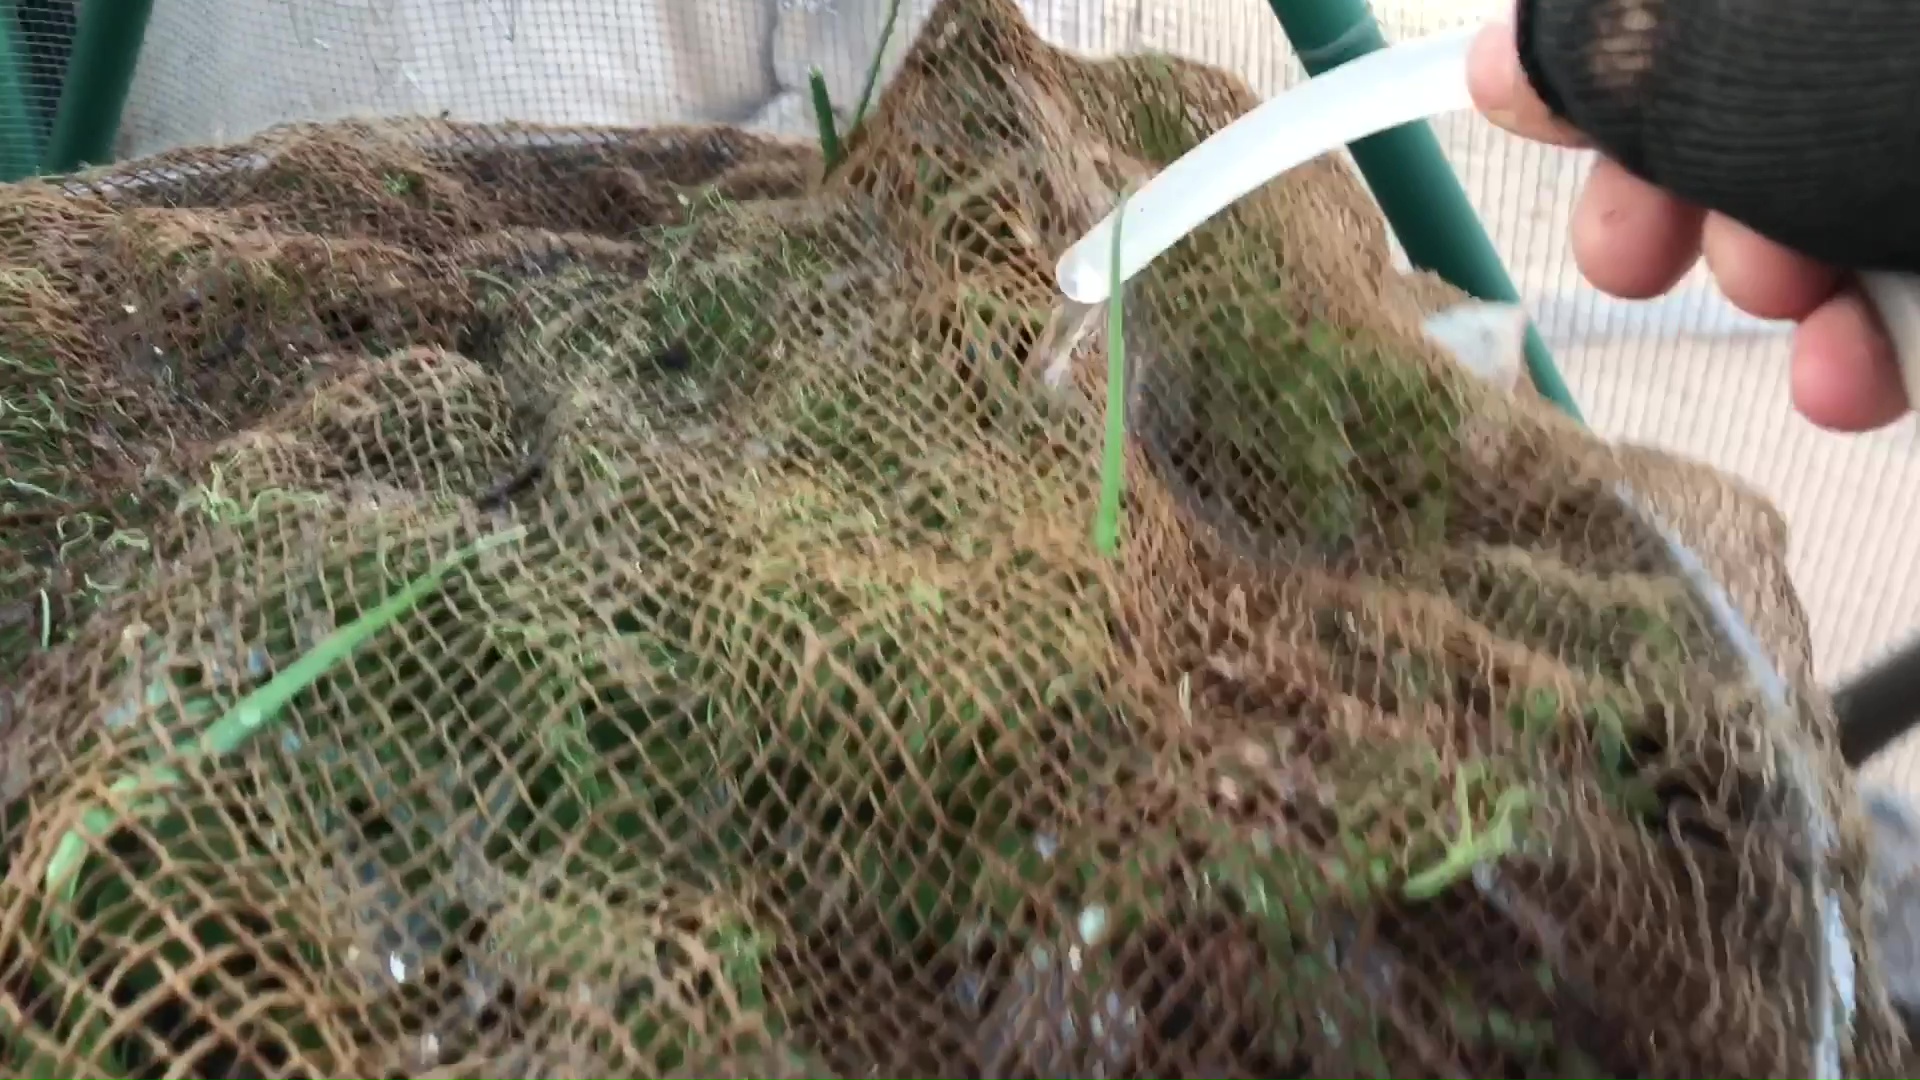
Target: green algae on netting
[702,323]
[1313,415]
[1305,433]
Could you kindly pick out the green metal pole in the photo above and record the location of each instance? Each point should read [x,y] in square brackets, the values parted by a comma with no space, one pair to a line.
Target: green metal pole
[106,46]
[1409,174]
[19,135]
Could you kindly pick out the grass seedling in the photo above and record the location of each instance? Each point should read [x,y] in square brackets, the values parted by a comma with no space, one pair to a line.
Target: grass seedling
[257,710]
[1113,460]
[873,67]
[823,117]
[1468,850]
[831,147]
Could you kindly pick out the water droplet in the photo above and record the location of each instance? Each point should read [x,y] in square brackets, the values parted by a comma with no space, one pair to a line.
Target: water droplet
[1093,925]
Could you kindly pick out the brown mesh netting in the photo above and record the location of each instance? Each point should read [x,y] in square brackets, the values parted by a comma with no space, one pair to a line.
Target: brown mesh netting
[489,601]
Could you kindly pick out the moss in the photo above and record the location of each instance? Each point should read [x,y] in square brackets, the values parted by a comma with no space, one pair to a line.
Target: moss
[73,437]
[1309,432]
[705,320]
[904,661]
[147,922]
[1160,128]
[677,970]
[1604,728]
[722,312]
[1624,628]
[1323,418]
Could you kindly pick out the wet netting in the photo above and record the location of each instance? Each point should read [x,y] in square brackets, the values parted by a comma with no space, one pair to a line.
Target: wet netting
[488,600]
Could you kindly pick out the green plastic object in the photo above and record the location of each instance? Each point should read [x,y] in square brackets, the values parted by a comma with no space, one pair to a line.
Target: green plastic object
[1410,176]
[19,135]
[106,46]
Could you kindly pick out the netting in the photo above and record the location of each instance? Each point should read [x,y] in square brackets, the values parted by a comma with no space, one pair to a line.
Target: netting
[1686,373]
[566,602]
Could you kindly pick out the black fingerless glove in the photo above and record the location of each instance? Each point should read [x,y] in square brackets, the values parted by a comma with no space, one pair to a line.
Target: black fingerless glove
[1800,118]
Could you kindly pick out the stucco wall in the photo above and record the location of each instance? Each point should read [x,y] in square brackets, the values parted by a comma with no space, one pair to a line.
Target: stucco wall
[222,69]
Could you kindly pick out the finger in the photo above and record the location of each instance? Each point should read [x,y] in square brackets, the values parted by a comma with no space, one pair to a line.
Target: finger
[1630,238]
[1761,277]
[1501,92]
[1844,374]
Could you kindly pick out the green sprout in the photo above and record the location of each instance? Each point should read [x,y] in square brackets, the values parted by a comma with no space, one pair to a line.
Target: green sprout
[873,66]
[1468,850]
[830,147]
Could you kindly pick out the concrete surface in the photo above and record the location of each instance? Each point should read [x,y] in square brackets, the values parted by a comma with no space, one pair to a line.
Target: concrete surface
[1686,373]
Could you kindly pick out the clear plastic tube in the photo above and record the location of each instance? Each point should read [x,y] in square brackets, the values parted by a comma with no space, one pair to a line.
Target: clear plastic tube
[1399,85]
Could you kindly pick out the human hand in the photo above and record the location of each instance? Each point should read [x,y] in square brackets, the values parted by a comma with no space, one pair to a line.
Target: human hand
[1636,241]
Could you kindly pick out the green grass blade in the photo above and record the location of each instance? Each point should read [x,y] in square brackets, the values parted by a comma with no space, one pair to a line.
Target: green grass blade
[1113,461]
[873,67]
[253,712]
[823,117]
